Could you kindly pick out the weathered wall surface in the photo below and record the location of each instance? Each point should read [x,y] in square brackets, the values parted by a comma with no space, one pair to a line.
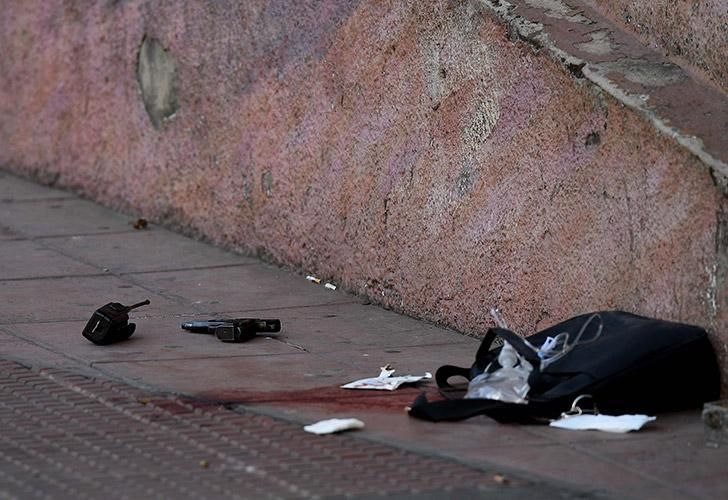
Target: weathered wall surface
[694,31]
[408,150]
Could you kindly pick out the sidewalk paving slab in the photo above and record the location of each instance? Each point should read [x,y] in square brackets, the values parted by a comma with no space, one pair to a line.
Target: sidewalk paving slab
[25,259]
[240,288]
[73,298]
[62,217]
[128,252]
[15,189]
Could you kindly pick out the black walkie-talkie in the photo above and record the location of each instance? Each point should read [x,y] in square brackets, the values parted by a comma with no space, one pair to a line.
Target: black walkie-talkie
[110,323]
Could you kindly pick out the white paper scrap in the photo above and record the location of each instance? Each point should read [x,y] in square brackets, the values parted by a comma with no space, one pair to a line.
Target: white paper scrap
[606,423]
[385,381]
[334,425]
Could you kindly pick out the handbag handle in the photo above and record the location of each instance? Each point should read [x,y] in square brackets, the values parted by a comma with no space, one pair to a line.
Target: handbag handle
[482,358]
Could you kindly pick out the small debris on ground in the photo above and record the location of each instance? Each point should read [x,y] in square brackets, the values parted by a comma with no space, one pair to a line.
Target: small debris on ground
[330,286]
[140,224]
[333,425]
[715,423]
[500,479]
[314,279]
[204,464]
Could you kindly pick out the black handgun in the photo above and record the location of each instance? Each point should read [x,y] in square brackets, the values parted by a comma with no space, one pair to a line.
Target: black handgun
[233,330]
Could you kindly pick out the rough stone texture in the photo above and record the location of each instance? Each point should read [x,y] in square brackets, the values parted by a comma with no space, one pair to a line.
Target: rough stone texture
[694,32]
[591,46]
[408,150]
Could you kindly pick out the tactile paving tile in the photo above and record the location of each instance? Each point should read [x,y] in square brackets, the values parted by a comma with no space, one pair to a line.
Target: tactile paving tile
[68,436]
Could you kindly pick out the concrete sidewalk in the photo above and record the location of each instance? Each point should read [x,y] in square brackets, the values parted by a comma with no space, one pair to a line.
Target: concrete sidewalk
[61,257]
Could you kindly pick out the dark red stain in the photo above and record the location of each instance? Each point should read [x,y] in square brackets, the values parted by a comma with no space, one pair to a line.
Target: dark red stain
[328,397]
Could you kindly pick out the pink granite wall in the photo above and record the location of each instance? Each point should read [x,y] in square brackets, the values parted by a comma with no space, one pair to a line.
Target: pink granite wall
[406,150]
[692,31]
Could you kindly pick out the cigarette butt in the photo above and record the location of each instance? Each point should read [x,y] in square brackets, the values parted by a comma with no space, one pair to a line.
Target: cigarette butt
[330,286]
[500,479]
[314,279]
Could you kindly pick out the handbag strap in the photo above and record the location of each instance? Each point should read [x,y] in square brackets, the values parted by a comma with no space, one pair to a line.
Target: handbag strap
[445,372]
[461,409]
[484,356]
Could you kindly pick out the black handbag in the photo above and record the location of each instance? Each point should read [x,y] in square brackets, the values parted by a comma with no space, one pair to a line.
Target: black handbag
[626,363]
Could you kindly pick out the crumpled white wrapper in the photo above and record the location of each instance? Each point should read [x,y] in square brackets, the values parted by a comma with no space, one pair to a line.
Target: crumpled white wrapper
[334,425]
[606,423]
[385,381]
